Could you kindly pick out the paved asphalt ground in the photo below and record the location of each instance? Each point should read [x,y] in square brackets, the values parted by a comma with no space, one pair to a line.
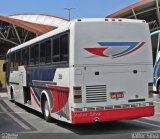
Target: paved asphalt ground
[19,122]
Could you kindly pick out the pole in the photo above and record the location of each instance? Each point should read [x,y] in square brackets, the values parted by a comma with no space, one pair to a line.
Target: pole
[69,12]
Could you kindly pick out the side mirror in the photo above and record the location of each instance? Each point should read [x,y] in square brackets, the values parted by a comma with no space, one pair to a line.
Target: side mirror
[4,67]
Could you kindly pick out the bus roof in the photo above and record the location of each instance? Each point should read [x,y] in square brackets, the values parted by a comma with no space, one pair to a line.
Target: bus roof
[67,27]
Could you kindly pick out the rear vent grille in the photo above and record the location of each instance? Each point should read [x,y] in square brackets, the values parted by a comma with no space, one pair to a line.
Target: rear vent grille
[96,93]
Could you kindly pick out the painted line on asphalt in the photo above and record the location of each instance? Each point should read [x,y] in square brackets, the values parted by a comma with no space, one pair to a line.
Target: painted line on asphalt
[16,112]
[15,119]
[147,123]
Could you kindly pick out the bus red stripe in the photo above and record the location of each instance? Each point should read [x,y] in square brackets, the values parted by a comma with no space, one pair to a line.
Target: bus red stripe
[59,96]
[111,115]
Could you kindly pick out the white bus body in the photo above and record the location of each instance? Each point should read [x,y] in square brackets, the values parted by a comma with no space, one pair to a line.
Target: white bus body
[155,37]
[105,78]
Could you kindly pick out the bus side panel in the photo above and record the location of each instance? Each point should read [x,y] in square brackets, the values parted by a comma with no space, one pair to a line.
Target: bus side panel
[54,84]
[61,94]
[14,86]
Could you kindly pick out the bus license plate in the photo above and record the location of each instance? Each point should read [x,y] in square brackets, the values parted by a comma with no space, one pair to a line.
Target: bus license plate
[117,95]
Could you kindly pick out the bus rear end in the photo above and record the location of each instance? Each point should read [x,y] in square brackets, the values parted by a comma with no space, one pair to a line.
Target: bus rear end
[111,70]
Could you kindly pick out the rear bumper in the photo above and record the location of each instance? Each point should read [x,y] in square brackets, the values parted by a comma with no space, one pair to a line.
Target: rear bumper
[111,115]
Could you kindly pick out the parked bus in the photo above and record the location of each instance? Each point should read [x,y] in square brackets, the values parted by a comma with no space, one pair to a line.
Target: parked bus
[155,36]
[90,70]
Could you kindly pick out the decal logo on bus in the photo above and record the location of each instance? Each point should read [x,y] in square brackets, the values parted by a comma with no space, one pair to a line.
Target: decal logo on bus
[115,49]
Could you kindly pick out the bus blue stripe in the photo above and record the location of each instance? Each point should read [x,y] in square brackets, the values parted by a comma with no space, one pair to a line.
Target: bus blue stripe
[42,74]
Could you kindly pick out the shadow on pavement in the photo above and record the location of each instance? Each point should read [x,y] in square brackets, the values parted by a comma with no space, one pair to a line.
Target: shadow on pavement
[116,127]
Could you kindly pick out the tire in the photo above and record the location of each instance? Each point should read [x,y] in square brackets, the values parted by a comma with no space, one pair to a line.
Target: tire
[46,111]
[12,96]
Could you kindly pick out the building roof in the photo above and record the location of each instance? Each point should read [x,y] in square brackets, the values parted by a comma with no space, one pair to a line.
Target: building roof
[128,10]
[41,19]
[20,28]
[38,29]
[36,23]
[148,10]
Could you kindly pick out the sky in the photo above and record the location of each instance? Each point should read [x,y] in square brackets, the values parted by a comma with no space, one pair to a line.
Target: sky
[83,8]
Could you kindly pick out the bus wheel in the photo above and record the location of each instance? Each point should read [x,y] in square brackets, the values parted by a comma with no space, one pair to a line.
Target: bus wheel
[46,111]
[12,96]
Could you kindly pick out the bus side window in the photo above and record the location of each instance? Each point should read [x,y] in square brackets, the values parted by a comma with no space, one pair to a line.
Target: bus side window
[25,56]
[48,51]
[18,59]
[154,39]
[31,61]
[7,58]
[42,53]
[36,54]
[12,60]
[45,52]
[64,47]
[56,50]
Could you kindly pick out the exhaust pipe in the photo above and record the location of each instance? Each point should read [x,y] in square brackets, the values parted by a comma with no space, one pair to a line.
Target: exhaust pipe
[96,120]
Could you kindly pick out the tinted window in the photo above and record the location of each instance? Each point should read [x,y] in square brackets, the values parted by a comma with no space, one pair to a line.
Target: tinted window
[56,50]
[12,60]
[18,59]
[48,51]
[64,43]
[45,52]
[25,56]
[34,54]
[31,62]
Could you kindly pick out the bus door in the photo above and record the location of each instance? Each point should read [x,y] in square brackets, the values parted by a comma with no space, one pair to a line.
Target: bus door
[22,76]
[23,85]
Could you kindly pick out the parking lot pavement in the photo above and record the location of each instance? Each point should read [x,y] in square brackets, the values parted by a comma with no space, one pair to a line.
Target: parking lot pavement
[26,123]
[10,121]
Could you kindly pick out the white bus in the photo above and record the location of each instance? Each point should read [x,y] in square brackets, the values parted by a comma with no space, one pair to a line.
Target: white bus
[155,36]
[91,70]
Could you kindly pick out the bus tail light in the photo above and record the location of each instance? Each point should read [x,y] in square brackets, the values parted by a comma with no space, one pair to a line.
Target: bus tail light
[150,90]
[77,92]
